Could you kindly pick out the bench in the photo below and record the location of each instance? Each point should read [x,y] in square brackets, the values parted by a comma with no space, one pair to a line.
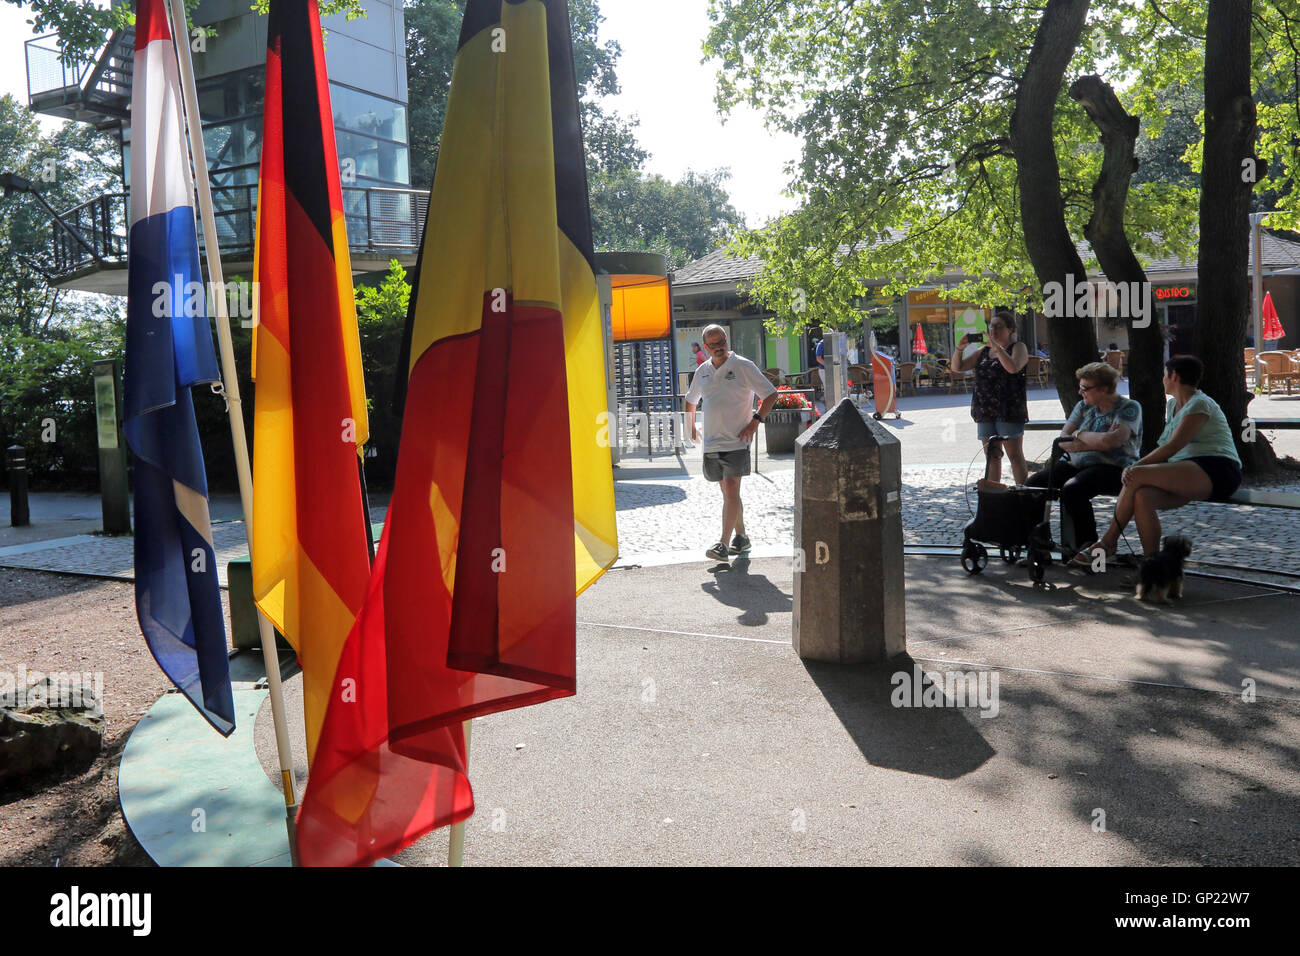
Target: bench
[1242,496]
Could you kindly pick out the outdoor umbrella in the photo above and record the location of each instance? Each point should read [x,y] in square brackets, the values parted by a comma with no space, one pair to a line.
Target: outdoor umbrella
[1272,326]
[918,346]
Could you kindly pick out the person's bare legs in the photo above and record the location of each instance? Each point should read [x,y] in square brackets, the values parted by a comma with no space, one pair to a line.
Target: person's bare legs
[1016,452]
[995,466]
[1146,503]
[1184,480]
[731,509]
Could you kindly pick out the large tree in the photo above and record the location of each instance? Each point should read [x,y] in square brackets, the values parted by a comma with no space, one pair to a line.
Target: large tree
[1223,291]
[938,138]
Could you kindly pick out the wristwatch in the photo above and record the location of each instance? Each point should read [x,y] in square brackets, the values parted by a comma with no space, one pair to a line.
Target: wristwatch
[757,419]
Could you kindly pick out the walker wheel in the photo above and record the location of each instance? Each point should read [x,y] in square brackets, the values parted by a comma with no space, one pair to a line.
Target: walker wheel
[877,416]
[1038,566]
[974,558]
[1010,555]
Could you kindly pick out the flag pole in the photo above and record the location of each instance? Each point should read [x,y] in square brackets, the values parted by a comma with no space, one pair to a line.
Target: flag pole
[456,844]
[234,406]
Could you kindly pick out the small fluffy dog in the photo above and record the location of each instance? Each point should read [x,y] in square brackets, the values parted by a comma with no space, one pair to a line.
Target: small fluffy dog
[1161,577]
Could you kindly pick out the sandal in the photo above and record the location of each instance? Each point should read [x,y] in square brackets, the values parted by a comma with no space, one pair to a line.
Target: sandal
[1084,556]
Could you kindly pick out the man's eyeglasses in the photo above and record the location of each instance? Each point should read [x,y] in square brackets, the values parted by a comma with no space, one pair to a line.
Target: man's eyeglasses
[1088,388]
[716,344]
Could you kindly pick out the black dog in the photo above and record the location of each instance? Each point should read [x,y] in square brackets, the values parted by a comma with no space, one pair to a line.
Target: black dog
[1161,577]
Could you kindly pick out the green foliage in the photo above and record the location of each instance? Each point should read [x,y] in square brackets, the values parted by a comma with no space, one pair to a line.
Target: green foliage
[904,109]
[684,220]
[84,25]
[47,392]
[49,339]
[381,319]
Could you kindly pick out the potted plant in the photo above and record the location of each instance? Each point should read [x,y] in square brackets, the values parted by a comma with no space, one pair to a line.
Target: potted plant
[787,419]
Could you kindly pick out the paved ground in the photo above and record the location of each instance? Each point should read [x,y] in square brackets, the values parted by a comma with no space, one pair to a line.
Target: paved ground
[682,514]
[698,737]
[665,505]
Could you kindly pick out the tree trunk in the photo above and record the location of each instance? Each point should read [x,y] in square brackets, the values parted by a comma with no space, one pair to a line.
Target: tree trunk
[1223,291]
[1072,341]
[1105,232]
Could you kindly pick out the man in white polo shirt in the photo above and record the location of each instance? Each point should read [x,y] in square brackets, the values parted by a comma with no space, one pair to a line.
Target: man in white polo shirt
[729,383]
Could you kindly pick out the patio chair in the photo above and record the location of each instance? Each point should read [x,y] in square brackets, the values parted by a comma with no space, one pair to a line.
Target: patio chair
[773,375]
[815,383]
[859,379]
[1249,356]
[956,379]
[1036,370]
[906,376]
[1277,368]
[1115,358]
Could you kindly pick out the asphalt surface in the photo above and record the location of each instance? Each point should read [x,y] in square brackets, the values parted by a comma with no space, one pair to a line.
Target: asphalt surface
[698,737]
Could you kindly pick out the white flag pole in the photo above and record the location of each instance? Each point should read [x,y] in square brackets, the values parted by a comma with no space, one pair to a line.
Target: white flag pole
[456,842]
[212,252]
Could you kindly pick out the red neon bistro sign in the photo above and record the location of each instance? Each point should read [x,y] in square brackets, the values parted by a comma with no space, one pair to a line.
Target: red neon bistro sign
[1174,292]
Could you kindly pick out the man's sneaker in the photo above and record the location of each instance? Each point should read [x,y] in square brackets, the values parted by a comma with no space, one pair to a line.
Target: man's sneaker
[740,544]
[718,552]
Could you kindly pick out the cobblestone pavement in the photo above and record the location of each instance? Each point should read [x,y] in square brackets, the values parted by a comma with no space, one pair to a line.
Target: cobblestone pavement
[685,515]
[112,555]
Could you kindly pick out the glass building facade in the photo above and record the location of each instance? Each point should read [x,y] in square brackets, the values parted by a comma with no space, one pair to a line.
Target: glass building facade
[366,61]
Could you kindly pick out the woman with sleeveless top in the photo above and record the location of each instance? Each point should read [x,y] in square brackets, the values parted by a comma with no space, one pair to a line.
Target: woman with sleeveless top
[999,406]
[1196,460]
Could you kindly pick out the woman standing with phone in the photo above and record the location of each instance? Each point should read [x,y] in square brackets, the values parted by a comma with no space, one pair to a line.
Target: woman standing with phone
[998,406]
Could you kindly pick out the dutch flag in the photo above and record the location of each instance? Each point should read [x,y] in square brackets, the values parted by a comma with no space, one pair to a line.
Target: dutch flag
[168,351]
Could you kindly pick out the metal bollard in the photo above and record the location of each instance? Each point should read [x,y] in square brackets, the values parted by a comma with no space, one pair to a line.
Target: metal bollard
[16,465]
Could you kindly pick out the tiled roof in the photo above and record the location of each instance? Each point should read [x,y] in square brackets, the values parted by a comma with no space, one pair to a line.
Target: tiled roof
[717,266]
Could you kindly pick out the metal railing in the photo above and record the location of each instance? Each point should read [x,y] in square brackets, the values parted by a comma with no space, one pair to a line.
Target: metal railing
[650,425]
[48,70]
[101,223]
[381,221]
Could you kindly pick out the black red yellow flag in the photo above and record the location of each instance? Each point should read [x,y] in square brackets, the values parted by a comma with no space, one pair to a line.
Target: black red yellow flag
[503,505]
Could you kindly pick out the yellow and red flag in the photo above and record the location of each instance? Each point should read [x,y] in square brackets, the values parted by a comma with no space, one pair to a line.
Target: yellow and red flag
[309,544]
[503,501]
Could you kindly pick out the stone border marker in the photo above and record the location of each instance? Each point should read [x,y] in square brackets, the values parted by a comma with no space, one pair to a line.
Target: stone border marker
[848,535]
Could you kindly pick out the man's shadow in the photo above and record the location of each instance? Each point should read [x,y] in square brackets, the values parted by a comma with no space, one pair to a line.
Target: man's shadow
[753,594]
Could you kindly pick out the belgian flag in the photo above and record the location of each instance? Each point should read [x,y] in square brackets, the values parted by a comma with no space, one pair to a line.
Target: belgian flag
[308,543]
[503,503]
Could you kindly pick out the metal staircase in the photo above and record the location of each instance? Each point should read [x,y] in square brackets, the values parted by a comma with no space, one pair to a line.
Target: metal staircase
[95,91]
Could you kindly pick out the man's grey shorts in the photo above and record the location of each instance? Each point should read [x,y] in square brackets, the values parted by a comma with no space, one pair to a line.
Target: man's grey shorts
[726,464]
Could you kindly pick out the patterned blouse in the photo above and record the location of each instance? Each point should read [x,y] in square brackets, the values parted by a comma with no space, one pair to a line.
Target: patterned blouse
[999,394]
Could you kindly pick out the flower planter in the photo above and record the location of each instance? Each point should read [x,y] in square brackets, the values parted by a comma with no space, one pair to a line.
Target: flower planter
[782,427]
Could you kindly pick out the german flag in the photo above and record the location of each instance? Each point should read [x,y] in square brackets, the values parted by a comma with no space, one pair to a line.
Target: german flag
[309,543]
[503,502]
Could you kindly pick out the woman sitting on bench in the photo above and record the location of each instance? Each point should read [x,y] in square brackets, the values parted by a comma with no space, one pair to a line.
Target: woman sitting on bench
[1196,460]
[1105,429]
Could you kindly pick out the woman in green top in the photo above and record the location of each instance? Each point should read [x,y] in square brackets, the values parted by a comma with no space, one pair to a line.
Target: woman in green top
[1196,460]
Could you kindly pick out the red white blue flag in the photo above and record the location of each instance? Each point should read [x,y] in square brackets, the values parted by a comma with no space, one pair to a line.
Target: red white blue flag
[169,350]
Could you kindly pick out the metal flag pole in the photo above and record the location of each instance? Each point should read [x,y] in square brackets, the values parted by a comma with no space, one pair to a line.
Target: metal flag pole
[212,252]
[456,845]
